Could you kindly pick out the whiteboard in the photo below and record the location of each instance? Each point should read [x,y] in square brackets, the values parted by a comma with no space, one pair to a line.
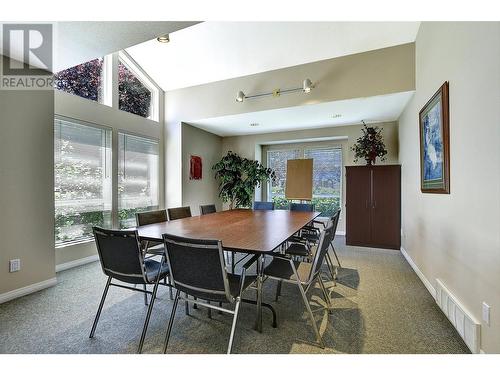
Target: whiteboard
[299,176]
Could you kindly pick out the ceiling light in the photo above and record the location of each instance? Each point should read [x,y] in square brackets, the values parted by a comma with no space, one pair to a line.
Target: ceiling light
[307,85]
[164,38]
[240,96]
[254,124]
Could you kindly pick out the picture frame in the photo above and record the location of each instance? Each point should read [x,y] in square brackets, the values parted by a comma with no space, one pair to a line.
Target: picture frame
[434,133]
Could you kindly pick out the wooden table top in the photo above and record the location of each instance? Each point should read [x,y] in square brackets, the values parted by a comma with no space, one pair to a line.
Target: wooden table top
[239,230]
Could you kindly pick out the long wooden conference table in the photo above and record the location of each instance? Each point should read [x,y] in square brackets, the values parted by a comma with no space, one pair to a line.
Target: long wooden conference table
[240,230]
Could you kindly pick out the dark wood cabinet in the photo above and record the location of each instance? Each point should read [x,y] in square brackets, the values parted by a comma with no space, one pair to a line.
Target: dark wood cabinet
[373,206]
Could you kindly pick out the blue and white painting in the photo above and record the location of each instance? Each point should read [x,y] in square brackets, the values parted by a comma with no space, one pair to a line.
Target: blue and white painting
[432,139]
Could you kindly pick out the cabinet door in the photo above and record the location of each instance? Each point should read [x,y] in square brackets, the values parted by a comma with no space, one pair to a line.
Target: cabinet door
[358,206]
[385,209]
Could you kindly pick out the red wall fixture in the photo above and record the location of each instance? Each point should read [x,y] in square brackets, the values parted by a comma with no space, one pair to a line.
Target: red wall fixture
[195,168]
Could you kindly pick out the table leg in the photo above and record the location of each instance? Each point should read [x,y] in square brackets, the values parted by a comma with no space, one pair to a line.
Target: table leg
[260,268]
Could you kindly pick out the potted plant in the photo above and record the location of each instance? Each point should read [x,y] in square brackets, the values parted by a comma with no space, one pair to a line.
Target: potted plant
[238,177]
[369,145]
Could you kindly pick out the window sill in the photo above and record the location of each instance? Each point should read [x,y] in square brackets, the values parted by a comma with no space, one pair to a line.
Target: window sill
[74,243]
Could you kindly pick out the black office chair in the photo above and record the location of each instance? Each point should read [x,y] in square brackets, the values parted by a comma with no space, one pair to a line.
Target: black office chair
[122,259]
[265,206]
[152,248]
[179,213]
[304,275]
[207,209]
[198,269]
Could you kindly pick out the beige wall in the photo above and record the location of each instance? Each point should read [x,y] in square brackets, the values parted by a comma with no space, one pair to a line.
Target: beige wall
[208,146]
[456,237]
[26,187]
[377,72]
[250,146]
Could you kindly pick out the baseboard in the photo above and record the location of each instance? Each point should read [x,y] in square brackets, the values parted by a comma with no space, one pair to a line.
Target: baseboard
[16,293]
[76,263]
[340,233]
[419,273]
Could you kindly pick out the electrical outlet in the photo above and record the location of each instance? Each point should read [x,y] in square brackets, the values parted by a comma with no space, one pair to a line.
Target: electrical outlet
[486,313]
[14,265]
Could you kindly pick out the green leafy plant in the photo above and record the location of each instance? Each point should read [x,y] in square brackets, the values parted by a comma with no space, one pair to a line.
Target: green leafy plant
[369,145]
[238,177]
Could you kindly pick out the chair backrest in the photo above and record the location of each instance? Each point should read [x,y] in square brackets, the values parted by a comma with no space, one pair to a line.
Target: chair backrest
[179,213]
[120,254]
[151,217]
[319,257]
[263,205]
[305,207]
[207,209]
[197,267]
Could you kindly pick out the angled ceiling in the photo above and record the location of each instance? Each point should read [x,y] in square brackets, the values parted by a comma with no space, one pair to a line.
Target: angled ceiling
[214,51]
[77,42]
[373,109]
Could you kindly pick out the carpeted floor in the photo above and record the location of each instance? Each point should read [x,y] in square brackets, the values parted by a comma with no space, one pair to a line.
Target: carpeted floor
[380,307]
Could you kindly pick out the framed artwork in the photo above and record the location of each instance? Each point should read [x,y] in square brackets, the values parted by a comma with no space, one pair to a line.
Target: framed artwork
[435,144]
[195,168]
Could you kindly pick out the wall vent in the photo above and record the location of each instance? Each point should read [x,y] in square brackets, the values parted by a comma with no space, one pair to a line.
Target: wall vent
[465,324]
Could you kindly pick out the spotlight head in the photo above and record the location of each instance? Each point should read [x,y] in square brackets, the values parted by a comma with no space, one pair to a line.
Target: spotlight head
[240,96]
[307,85]
[164,38]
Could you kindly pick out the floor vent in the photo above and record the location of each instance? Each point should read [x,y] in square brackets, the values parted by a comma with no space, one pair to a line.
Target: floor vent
[461,319]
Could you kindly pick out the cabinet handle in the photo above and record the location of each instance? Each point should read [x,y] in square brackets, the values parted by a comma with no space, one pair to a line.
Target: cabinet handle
[374,204]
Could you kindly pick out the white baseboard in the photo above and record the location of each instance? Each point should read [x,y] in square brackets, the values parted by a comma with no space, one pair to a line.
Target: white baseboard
[419,273]
[340,233]
[16,293]
[76,263]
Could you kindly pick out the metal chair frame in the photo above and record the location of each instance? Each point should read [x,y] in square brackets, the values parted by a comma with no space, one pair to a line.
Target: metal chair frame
[230,299]
[145,291]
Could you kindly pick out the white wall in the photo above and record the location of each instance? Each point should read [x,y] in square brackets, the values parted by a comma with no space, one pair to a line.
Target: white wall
[456,237]
[26,187]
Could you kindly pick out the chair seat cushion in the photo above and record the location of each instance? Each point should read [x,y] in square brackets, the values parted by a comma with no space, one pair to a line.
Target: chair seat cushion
[152,267]
[297,249]
[281,269]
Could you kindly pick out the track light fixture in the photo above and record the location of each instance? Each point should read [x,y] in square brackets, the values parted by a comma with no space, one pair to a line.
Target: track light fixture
[307,86]
[164,38]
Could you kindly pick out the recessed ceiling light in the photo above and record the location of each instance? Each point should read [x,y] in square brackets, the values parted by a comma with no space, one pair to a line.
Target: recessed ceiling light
[164,38]
[254,124]
[337,115]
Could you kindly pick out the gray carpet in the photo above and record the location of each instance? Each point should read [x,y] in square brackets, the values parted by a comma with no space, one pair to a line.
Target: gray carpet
[380,307]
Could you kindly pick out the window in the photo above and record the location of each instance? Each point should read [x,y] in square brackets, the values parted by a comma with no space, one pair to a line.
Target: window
[327,178]
[138,177]
[276,160]
[82,174]
[136,93]
[85,80]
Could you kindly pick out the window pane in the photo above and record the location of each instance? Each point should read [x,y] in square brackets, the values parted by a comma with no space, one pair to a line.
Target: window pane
[134,96]
[138,177]
[84,80]
[327,183]
[82,180]
[276,160]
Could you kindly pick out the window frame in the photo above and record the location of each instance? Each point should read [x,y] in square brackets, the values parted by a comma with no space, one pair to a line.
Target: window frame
[143,77]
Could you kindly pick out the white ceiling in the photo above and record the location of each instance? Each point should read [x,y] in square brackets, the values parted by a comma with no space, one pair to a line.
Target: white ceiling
[372,109]
[214,51]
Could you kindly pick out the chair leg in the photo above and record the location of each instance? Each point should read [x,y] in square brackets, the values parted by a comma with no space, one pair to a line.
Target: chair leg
[329,263]
[148,315]
[220,305]
[101,304]
[170,289]
[336,257]
[145,295]
[171,321]
[326,295]
[278,290]
[186,304]
[195,306]
[209,311]
[233,327]
[311,316]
